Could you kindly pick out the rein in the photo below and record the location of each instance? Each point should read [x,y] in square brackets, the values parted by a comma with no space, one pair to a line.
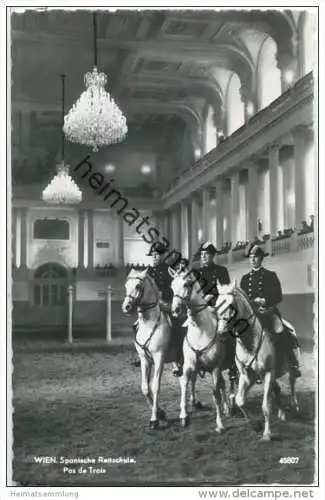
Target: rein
[145,307]
[248,365]
[198,352]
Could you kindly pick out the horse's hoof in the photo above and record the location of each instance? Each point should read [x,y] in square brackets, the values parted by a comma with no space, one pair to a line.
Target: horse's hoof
[266,437]
[162,415]
[153,425]
[282,416]
[184,422]
[220,430]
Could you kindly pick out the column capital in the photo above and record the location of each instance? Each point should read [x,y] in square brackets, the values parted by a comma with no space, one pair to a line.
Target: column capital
[274,148]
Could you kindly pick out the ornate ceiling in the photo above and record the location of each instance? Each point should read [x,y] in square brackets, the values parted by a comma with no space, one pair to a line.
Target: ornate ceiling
[161,64]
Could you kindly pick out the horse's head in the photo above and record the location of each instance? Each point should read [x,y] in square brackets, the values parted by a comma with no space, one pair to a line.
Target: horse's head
[183,284]
[233,308]
[135,290]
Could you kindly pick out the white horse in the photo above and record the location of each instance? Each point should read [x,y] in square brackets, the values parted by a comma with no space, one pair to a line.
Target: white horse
[257,355]
[203,349]
[152,338]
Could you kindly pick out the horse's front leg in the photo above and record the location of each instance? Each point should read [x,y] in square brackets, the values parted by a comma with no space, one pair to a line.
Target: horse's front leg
[145,377]
[277,394]
[223,395]
[196,403]
[218,387]
[232,395]
[267,405]
[158,360]
[184,380]
[293,400]
[243,386]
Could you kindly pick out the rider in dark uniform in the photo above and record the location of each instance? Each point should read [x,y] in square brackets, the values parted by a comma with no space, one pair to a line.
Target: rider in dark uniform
[264,290]
[159,272]
[211,274]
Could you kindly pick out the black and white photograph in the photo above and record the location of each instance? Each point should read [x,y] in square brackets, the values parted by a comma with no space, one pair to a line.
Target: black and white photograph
[162,247]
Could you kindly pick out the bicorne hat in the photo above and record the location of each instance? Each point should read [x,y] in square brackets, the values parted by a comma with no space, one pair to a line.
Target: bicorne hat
[254,249]
[207,247]
[157,247]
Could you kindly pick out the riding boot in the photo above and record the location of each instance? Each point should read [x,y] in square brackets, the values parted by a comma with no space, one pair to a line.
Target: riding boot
[293,354]
[293,362]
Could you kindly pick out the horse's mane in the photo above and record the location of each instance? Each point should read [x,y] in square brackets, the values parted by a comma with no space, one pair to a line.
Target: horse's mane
[243,295]
[134,273]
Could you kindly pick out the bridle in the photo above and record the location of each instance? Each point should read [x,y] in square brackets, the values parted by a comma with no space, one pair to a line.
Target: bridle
[186,299]
[142,307]
[136,299]
[253,314]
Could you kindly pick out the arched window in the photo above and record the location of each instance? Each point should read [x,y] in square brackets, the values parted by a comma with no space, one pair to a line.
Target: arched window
[235,106]
[268,74]
[50,285]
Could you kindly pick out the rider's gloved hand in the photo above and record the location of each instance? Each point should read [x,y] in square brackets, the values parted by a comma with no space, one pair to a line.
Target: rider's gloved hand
[260,301]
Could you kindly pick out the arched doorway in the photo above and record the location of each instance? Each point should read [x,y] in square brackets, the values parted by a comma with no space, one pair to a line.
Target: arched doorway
[50,297]
[50,285]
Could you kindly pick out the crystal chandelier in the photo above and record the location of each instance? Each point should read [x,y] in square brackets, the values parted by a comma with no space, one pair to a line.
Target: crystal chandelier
[62,188]
[95,120]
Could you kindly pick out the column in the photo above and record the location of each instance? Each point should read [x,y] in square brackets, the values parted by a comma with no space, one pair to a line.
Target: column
[18,238]
[81,236]
[175,229]
[23,240]
[276,218]
[205,214]
[120,241]
[299,135]
[90,239]
[252,201]
[194,224]
[288,66]
[159,224]
[219,213]
[184,230]
[25,128]
[249,100]
[86,239]
[234,207]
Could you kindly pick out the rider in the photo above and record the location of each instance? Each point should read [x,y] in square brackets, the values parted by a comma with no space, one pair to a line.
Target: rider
[159,272]
[212,273]
[264,290]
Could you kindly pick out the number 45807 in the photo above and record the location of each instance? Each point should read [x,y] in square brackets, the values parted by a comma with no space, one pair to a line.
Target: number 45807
[289,460]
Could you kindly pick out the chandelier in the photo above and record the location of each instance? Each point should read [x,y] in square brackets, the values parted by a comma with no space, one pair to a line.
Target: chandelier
[95,120]
[62,188]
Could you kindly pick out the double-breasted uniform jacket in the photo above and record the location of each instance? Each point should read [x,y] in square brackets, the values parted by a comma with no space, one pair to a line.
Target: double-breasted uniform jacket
[163,281]
[263,283]
[212,274]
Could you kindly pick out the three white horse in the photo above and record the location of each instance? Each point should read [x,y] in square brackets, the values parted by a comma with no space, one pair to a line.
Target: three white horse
[203,348]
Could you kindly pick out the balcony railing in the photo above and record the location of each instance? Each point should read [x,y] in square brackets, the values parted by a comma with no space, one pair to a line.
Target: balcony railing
[291,100]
